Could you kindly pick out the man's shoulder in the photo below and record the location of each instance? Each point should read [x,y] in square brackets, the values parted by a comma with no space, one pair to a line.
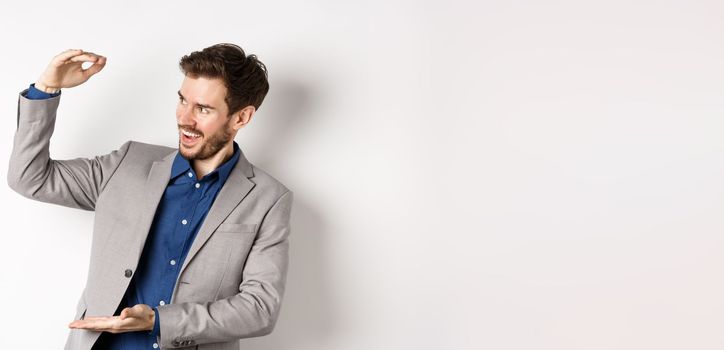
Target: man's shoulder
[146,151]
[267,182]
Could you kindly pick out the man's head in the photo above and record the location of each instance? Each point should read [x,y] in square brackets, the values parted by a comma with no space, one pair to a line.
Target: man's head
[221,91]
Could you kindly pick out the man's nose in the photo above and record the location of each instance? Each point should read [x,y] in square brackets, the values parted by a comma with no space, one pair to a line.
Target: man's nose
[186,116]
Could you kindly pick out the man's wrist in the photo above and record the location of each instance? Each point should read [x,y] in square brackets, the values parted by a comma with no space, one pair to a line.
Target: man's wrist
[33,93]
[46,89]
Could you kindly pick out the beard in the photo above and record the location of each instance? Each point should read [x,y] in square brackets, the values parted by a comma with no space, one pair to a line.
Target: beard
[208,147]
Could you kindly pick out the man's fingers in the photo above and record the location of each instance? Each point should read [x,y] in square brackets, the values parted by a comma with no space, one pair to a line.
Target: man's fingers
[93,318]
[85,57]
[96,67]
[128,321]
[95,323]
[135,311]
[126,313]
[66,55]
[111,324]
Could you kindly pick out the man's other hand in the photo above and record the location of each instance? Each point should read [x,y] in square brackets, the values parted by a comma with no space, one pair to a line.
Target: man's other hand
[66,70]
[132,319]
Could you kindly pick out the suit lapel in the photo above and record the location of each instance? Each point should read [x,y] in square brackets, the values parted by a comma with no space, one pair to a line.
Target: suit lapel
[153,190]
[237,186]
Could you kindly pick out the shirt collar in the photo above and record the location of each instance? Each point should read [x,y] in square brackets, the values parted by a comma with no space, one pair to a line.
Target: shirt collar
[181,165]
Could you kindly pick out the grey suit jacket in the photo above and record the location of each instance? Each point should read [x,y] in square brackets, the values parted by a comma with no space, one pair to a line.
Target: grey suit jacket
[232,281]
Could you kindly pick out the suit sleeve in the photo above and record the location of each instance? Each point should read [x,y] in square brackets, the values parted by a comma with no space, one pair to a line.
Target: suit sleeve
[254,310]
[74,183]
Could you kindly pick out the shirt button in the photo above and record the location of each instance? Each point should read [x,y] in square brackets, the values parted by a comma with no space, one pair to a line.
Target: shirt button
[191,174]
[184,222]
[161,302]
[128,273]
[198,185]
[172,262]
[155,345]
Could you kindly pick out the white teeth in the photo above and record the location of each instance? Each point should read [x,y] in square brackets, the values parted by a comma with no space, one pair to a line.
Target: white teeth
[189,134]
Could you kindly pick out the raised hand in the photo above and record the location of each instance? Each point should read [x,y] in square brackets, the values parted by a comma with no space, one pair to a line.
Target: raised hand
[137,318]
[65,70]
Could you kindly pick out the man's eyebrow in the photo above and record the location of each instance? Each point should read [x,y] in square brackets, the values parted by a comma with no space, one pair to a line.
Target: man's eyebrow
[205,106]
[198,104]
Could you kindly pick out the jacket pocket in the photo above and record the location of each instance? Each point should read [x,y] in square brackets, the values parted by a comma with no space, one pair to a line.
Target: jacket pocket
[236,228]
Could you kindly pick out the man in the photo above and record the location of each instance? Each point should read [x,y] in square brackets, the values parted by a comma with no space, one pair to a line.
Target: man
[190,245]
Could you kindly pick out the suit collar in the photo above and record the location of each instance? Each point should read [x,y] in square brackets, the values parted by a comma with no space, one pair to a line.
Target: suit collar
[182,165]
[170,161]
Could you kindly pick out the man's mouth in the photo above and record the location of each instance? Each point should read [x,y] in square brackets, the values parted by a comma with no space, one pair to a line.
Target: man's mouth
[189,138]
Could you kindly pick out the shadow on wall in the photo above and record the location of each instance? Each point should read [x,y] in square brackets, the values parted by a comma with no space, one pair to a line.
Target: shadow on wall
[290,111]
[307,310]
[306,314]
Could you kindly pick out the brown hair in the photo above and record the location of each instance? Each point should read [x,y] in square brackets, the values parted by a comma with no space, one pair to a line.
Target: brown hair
[245,77]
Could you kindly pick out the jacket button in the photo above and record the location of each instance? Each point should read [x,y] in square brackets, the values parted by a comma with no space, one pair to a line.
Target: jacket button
[129,273]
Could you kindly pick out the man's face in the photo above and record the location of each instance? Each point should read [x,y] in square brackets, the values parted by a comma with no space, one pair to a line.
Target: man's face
[202,118]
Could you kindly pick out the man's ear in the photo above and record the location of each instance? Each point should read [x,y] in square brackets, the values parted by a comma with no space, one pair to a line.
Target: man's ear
[243,117]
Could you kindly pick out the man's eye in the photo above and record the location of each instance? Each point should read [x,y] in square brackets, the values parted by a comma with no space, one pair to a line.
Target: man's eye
[181,100]
[203,110]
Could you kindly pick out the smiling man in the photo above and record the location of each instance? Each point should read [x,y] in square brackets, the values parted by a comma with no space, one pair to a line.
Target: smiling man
[190,245]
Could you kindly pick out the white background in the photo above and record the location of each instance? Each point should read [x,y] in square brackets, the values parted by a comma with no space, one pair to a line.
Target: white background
[467,175]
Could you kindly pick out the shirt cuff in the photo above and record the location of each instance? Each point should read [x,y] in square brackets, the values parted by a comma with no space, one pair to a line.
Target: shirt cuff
[156,324]
[35,94]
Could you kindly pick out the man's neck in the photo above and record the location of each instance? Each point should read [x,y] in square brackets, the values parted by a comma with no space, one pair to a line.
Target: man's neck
[204,166]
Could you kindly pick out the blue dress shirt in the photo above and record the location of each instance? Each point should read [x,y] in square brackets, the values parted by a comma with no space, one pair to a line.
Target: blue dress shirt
[178,218]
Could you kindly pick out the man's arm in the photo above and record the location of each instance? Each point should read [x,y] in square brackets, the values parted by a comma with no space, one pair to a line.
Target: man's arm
[74,183]
[254,310]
